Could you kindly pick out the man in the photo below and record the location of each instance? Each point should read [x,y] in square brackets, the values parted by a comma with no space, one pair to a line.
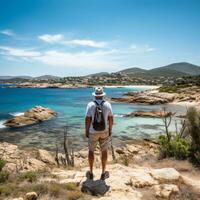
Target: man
[98,129]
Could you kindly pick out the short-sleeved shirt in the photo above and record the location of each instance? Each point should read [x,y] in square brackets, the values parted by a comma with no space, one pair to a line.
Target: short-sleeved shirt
[90,112]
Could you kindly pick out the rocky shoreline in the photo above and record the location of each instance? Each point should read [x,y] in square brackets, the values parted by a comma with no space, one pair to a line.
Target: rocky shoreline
[135,174]
[155,97]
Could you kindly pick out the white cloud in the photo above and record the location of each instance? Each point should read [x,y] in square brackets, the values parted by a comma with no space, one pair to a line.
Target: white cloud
[59,39]
[19,52]
[51,38]
[84,59]
[89,43]
[97,59]
[142,48]
[7,32]
[150,49]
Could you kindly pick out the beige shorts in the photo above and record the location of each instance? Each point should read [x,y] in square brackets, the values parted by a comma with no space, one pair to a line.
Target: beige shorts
[102,138]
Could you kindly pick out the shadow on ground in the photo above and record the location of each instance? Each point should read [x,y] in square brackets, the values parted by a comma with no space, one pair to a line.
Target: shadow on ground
[94,187]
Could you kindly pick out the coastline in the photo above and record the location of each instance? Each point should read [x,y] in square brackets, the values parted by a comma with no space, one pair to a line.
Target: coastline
[74,86]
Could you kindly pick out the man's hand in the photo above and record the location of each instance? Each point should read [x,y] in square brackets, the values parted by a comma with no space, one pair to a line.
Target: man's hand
[110,122]
[110,132]
[87,134]
[88,121]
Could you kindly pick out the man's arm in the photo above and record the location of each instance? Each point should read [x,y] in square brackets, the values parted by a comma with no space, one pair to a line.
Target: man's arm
[88,121]
[110,124]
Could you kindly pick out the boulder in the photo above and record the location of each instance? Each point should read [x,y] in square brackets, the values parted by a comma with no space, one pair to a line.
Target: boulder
[32,116]
[154,114]
[166,175]
[21,160]
[142,178]
[165,190]
[31,196]
[46,157]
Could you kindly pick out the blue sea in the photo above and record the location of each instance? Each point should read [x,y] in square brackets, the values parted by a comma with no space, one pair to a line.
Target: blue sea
[70,104]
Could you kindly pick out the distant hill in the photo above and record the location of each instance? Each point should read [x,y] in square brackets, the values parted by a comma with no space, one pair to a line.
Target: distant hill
[47,77]
[133,70]
[182,67]
[14,77]
[18,78]
[174,70]
[99,74]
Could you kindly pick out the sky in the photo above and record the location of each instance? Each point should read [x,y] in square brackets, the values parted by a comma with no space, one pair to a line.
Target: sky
[79,37]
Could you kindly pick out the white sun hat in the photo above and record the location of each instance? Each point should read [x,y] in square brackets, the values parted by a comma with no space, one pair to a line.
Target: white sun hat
[99,92]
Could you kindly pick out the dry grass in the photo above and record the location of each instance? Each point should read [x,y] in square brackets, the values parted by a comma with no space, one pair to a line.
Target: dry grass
[19,185]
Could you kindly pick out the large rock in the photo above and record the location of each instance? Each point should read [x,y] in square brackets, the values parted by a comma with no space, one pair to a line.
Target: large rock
[22,160]
[32,116]
[142,178]
[166,175]
[46,157]
[165,190]
[154,114]
[31,196]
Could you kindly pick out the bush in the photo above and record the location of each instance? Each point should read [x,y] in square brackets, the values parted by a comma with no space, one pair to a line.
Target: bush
[2,164]
[30,176]
[4,176]
[177,147]
[193,129]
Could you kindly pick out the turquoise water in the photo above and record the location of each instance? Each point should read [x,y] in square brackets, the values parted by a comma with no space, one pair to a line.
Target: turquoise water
[70,104]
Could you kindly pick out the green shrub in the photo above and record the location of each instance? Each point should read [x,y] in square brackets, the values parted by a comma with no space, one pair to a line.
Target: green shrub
[30,176]
[180,148]
[177,147]
[2,164]
[193,129]
[4,176]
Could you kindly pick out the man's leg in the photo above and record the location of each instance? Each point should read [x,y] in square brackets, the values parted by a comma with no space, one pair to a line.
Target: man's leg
[104,156]
[104,142]
[92,142]
[91,160]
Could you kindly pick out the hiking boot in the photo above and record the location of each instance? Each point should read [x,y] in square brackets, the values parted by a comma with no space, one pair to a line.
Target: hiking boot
[89,175]
[105,175]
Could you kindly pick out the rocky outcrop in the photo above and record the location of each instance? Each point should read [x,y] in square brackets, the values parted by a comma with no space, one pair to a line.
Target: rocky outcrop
[123,183]
[146,97]
[164,191]
[34,115]
[154,114]
[23,160]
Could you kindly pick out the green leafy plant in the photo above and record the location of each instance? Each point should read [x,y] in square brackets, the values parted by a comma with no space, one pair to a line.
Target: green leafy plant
[30,176]
[177,147]
[193,129]
[2,164]
[4,176]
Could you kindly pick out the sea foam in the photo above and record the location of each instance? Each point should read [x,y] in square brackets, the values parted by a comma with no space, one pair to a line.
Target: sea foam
[1,123]
[15,114]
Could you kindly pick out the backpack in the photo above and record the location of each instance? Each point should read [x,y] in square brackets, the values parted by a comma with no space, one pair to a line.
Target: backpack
[99,121]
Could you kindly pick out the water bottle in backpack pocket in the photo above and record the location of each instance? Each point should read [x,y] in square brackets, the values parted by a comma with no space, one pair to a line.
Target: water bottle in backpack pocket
[99,121]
